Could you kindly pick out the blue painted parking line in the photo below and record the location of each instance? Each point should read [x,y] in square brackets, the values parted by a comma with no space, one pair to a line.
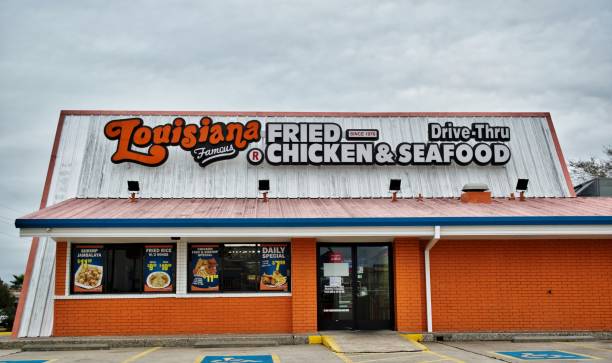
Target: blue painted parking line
[543,355]
[238,359]
[25,361]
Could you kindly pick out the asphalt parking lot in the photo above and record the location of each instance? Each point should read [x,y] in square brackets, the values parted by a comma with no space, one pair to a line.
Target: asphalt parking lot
[458,352]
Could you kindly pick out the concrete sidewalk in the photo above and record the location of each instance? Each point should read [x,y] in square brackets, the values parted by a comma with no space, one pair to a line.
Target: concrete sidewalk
[383,341]
[345,341]
[199,341]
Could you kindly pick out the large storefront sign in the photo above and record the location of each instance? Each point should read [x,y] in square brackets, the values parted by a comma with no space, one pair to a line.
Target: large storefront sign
[208,142]
[322,144]
[306,143]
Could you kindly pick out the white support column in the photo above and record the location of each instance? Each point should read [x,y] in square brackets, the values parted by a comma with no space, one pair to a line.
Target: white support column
[68,266]
[181,267]
[430,245]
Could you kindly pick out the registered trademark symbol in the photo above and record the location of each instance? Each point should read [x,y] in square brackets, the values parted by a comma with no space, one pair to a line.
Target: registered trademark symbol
[255,156]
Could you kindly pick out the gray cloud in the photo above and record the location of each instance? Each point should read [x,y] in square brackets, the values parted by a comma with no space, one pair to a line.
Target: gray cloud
[278,55]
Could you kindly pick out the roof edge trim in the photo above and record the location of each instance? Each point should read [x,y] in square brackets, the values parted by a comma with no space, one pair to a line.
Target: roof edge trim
[312,222]
[300,113]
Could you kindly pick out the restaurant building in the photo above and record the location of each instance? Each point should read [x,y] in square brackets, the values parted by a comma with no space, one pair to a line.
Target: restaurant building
[291,222]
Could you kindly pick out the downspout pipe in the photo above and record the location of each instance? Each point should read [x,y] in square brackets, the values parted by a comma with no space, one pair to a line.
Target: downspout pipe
[430,245]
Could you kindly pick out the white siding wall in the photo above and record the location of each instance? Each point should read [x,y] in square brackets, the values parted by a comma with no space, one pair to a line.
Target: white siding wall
[533,157]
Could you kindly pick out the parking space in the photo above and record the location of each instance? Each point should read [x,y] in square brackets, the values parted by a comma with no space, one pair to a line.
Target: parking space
[284,354]
[486,352]
[458,352]
[102,356]
[599,351]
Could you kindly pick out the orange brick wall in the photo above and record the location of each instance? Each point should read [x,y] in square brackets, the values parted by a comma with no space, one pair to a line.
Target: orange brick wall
[61,253]
[409,289]
[172,316]
[503,285]
[304,284]
[476,286]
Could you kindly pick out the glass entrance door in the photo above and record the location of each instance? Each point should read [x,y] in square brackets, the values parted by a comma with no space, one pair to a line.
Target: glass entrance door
[354,287]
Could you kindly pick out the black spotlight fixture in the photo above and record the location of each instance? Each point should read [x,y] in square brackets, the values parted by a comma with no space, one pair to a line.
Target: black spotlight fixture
[521,184]
[395,185]
[521,187]
[133,188]
[264,187]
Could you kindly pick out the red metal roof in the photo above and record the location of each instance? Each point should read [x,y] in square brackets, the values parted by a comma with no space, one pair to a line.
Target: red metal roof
[319,208]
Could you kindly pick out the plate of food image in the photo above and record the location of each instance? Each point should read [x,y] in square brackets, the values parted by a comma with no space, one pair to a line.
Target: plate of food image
[158,280]
[274,280]
[88,276]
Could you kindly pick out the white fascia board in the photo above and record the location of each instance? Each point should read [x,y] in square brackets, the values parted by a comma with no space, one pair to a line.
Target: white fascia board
[447,232]
[249,232]
[451,232]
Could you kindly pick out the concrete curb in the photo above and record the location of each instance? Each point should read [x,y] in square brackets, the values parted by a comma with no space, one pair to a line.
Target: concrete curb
[552,338]
[62,347]
[200,341]
[256,340]
[510,336]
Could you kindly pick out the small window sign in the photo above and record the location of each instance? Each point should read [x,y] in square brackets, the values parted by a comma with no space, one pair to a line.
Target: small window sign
[362,134]
[273,267]
[159,268]
[204,268]
[335,269]
[88,268]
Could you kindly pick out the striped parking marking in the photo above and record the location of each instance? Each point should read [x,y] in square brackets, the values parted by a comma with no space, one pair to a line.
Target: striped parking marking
[589,346]
[141,354]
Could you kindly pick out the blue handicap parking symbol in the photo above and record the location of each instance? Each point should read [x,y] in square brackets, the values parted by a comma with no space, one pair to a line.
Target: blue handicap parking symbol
[543,355]
[238,359]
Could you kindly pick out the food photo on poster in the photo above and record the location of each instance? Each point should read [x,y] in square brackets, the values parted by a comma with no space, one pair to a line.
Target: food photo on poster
[88,264]
[204,267]
[159,268]
[273,268]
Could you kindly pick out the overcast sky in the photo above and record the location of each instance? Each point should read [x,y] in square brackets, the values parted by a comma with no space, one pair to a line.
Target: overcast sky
[378,55]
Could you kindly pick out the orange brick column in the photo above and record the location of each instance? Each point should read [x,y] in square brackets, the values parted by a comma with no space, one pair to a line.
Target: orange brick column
[61,253]
[304,284]
[409,285]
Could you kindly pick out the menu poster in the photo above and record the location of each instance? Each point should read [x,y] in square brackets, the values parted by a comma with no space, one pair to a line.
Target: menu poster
[273,268]
[88,267]
[204,264]
[158,268]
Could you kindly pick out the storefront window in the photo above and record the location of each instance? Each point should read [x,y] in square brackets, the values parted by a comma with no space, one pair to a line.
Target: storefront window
[123,268]
[239,267]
